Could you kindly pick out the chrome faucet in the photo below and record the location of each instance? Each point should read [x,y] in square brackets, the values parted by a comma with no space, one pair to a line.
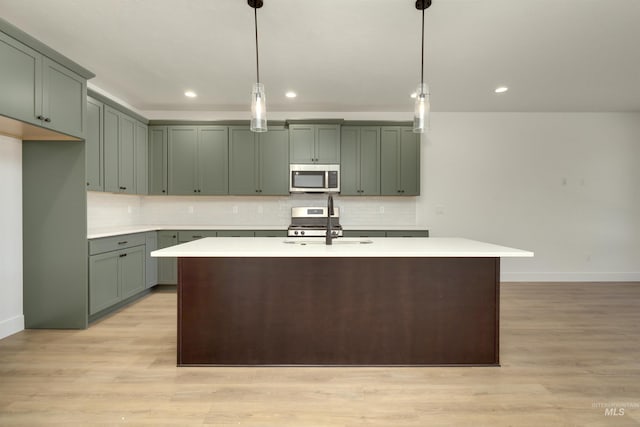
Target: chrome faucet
[329,238]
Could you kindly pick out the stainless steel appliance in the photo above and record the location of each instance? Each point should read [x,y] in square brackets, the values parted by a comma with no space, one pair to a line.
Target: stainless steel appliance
[312,222]
[314,178]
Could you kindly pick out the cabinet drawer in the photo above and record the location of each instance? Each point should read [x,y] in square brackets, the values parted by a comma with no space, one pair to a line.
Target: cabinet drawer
[364,233]
[113,243]
[189,235]
[271,233]
[408,233]
[236,233]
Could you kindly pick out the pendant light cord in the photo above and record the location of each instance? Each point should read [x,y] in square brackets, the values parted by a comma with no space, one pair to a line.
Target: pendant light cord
[422,60]
[255,17]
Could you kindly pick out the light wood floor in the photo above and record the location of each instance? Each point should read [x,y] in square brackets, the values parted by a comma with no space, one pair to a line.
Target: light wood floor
[568,351]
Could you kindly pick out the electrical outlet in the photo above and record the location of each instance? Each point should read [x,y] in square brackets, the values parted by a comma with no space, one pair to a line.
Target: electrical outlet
[381,209]
[439,210]
[235,209]
[129,209]
[260,210]
[191,209]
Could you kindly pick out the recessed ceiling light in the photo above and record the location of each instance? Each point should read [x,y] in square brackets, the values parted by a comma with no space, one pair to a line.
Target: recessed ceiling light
[290,94]
[190,94]
[413,95]
[501,89]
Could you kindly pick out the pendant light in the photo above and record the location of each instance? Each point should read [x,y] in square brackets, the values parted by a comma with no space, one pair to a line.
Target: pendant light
[258,106]
[422,108]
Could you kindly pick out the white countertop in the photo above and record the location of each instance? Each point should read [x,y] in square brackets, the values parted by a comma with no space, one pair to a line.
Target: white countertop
[342,247]
[129,229]
[96,233]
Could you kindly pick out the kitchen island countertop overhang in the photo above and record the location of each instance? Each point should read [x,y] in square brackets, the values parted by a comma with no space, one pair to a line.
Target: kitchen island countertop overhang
[342,247]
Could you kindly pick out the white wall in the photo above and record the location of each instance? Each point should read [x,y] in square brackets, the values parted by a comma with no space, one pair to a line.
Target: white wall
[11,313]
[564,185]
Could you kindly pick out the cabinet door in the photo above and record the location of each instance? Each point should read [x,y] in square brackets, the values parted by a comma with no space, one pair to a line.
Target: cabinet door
[350,161]
[111,138]
[20,88]
[131,271]
[183,143]
[64,99]
[167,267]
[390,161]
[410,163]
[141,165]
[273,148]
[94,145]
[369,162]
[126,155]
[151,263]
[213,160]
[103,281]
[302,144]
[327,144]
[236,233]
[243,177]
[158,160]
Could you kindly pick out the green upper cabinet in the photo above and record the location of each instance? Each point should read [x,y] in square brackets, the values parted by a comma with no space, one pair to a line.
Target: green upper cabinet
[141,142]
[94,145]
[125,152]
[198,160]
[258,162]
[64,95]
[20,85]
[127,155]
[39,91]
[274,167]
[314,143]
[213,160]
[360,161]
[400,162]
[158,160]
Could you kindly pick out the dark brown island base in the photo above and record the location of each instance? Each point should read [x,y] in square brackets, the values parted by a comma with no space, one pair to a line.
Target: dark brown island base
[338,305]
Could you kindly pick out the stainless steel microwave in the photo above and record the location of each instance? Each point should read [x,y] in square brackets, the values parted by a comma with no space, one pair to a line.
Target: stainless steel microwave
[314,178]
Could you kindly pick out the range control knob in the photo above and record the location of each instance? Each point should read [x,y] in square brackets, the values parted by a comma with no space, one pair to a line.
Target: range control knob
[295,232]
[302,232]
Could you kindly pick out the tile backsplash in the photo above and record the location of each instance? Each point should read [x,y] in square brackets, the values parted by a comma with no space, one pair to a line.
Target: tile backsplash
[108,210]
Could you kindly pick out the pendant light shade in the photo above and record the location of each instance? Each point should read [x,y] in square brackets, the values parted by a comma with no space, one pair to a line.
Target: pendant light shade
[258,104]
[258,109]
[422,108]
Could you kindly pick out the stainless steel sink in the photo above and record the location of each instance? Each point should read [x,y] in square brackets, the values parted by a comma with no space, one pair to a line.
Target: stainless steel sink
[320,241]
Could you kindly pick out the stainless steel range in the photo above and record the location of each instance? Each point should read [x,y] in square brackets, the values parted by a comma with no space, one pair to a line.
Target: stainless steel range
[312,222]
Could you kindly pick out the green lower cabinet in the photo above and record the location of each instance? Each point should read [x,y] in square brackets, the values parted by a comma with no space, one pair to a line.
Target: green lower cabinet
[386,233]
[151,263]
[167,267]
[236,233]
[408,233]
[364,233]
[115,276]
[103,281]
[132,271]
[270,233]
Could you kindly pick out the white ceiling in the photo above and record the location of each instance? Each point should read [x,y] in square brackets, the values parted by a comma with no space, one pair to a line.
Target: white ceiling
[349,55]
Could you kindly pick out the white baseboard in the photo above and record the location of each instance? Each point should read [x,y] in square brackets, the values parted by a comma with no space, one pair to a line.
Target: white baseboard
[11,326]
[570,277]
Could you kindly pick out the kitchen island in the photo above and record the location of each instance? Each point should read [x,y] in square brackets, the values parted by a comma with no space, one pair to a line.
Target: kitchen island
[378,301]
